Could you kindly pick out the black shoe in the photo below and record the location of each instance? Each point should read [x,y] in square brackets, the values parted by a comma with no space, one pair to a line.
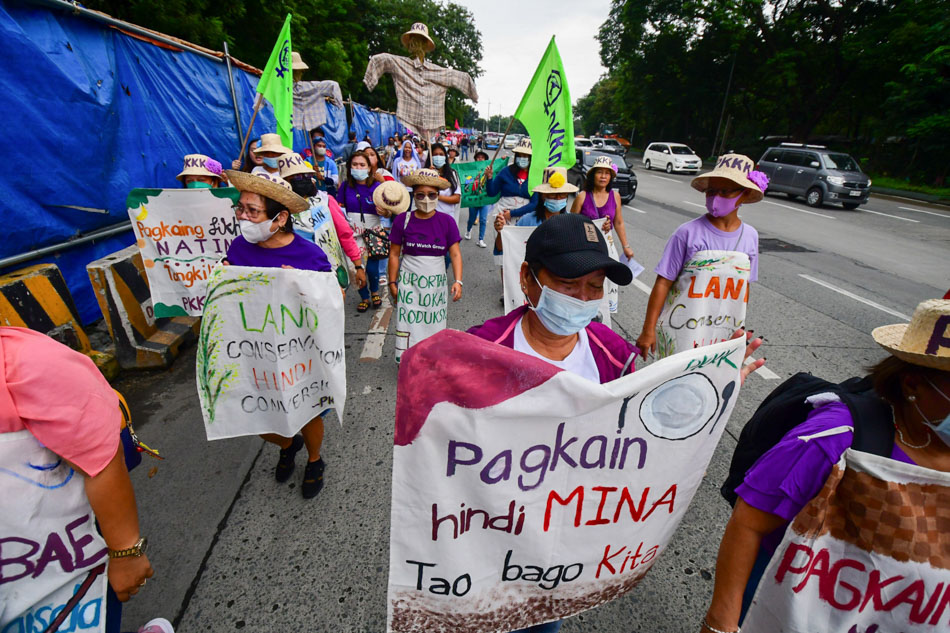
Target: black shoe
[312,479]
[285,464]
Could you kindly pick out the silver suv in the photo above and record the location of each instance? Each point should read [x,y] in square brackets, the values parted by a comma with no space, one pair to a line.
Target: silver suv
[817,173]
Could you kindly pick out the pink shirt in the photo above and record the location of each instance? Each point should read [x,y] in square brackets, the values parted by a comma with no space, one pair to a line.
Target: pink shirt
[59,396]
[344,231]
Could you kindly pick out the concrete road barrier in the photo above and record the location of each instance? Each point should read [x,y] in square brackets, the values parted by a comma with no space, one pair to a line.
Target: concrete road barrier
[36,297]
[141,340]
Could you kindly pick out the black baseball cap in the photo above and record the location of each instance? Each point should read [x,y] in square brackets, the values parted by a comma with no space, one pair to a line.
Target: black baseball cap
[570,246]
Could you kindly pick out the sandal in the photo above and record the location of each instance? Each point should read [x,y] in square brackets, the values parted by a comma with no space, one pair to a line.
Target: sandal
[377,301]
[362,306]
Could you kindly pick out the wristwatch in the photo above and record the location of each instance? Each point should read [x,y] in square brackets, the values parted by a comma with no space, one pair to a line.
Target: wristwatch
[358,267]
[139,549]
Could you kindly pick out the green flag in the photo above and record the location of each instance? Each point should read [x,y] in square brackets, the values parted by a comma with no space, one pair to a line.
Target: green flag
[546,112]
[474,183]
[277,85]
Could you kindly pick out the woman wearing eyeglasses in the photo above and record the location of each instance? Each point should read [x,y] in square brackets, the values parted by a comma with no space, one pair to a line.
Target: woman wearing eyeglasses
[702,281]
[417,276]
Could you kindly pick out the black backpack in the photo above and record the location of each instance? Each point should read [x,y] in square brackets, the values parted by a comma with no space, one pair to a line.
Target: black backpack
[785,408]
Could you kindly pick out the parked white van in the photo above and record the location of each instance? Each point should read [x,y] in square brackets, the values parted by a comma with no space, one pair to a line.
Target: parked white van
[671,157]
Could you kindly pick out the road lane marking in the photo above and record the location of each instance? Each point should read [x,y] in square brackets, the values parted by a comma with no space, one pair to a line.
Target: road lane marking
[664,178]
[888,215]
[627,206]
[701,206]
[851,295]
[763,371]
[785,206]
[939,215]
[642,286]
[376,336]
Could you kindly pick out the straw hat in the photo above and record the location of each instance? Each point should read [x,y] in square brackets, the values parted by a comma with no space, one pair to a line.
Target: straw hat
[523,146]
[197,165]
[422,31]
[269,186]
[555,181]
[426,177]
[392,197]
[604,162]
[292,164]
[925,340]
[271,143]
[297,62]
[737,168]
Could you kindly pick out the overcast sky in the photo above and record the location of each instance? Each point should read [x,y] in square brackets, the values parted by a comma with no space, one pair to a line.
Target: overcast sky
[514,36]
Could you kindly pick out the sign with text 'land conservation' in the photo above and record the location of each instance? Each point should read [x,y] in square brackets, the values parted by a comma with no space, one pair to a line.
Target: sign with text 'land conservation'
[270,352]
[182,234]
[524,494]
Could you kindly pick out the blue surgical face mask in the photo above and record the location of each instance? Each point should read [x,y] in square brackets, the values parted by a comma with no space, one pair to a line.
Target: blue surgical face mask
[940,427]
[555,206]
[438,161]
[197,184]
[269,161]
[522,162]
[360,174]
[561,314]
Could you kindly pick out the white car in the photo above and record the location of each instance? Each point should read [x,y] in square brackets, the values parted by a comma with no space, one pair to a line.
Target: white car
[671,157]
[511,140]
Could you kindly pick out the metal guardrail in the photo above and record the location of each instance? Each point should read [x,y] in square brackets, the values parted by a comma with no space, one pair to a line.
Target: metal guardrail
[98,234]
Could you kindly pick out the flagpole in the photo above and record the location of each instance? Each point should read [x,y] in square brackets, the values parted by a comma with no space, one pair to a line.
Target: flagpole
[237,111]
[257,108]
[502,142]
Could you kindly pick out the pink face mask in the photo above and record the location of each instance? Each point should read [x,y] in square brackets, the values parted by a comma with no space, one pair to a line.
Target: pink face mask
[720,206]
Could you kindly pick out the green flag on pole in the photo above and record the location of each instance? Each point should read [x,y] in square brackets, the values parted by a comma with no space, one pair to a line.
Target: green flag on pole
[546,112]
[277,84]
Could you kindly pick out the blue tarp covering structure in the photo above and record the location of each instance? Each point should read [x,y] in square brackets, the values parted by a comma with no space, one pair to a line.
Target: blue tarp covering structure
[93,113]
[335,128]
[366,121]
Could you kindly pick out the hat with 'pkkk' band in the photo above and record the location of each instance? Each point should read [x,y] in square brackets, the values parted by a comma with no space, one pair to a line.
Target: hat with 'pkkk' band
[570,246]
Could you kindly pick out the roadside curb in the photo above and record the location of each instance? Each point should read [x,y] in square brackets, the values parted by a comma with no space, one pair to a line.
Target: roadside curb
[897,195]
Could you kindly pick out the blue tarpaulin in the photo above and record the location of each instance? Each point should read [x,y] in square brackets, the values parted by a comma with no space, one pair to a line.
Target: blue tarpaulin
[335,128]
[365,121]
[92,113]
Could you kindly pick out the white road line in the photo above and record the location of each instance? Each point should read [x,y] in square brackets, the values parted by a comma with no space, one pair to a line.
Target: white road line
[851,295]
[663,178]
[939,215]
[627,206]
[785,206]
[373,347]
[888,215]
[642,286]
[763,372]
[701,206]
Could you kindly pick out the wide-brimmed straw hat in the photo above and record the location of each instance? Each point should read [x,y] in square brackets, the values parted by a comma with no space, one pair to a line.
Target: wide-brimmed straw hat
[422,31]
[392,197]
[925,341]
[604,162]
[523,146]
[737,168]
[425,177]
[555,181]
[292,164]
[269,186]
[297,62]
[198,165]
[271,143]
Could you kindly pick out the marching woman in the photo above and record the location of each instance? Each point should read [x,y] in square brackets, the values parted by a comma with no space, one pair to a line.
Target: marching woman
[551,199]
[267,240]
[417,275]
[511,183]
[356,197]
[270,149]
[451,196]
[478,213]
[380,173]
[406,162]
[250,159]
[707,265]
[328,174]
[200,172]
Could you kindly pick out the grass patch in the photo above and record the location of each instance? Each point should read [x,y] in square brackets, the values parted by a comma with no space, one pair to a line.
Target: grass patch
[896,183]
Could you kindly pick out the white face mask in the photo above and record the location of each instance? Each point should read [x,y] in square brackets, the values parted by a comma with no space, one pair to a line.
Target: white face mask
[256,232]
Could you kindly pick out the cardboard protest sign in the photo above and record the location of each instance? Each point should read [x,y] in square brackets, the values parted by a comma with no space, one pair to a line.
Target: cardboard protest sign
[513,241]
[523,494]
[270,352]
[474,183]
[182,234]
[870,553]
[706,303]
[316,224]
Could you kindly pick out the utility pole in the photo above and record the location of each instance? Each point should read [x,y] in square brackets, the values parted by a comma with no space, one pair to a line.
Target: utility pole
[724,100]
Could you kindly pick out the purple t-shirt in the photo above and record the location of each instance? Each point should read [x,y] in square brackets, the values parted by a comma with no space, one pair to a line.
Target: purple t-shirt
[300,253]
[700,235]
[357,199]
[792,473]
[431,236]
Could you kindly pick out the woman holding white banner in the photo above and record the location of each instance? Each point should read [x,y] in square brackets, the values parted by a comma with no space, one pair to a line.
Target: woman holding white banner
[821,503]
[417,275]
[599,201]
[702,281]
[267,240]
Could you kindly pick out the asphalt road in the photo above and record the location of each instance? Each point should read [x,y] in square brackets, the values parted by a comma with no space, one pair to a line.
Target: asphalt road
[234,550]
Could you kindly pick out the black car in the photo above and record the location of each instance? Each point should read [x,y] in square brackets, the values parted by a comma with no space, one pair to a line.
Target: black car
[625,182]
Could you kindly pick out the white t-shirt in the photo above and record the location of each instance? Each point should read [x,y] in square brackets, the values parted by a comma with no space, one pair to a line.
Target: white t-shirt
[445,207]
[580,361]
